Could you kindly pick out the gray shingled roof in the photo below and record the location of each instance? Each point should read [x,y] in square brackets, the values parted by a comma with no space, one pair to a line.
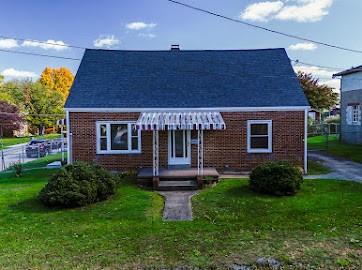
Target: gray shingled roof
[348,71]
[185,79]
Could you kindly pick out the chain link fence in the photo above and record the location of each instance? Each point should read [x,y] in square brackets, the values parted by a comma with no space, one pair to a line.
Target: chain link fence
[34,154]
[324,129]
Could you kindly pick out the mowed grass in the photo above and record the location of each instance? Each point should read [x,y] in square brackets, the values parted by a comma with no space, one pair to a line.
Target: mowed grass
[335,147]
[320,228]
[12,141]
[316,168]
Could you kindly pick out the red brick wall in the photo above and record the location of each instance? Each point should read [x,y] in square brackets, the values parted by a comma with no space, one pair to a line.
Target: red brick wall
[224,148]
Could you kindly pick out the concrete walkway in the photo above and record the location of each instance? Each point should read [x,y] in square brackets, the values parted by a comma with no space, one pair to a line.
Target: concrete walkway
[177,205]
[341,169]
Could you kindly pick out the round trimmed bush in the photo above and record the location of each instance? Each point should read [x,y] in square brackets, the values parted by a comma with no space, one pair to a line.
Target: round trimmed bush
[78,185]
[276,178]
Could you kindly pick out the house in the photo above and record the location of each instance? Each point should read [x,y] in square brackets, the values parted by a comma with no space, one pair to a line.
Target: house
[315,115]
[196,110]
[351,102]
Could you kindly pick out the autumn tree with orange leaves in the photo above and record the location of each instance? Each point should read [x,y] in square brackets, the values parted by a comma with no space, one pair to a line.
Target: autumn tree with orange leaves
[58,79]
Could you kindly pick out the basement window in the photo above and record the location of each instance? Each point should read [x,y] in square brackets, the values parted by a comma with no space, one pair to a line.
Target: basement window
[118,137]
[259,136]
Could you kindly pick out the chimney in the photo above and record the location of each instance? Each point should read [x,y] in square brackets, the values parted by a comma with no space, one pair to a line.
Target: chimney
[175,47]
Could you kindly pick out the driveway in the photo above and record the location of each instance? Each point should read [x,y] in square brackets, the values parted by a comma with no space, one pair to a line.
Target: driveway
[341,169]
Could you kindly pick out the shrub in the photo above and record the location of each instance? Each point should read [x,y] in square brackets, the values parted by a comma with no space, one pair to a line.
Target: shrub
[78,185]
[276,178]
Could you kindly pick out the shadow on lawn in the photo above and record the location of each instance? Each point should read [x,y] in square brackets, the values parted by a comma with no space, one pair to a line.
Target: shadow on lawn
[32,205]
[244,191]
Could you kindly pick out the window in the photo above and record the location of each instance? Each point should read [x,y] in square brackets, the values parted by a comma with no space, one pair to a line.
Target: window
[117,138]
[355,114]
[259,136]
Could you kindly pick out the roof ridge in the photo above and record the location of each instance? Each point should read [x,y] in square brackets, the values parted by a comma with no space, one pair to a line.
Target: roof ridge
[182,50]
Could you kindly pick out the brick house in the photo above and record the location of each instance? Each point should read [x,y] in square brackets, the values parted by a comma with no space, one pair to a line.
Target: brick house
[222,109]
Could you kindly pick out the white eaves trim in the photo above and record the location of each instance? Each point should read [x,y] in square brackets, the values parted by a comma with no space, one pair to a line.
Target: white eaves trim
[211,109]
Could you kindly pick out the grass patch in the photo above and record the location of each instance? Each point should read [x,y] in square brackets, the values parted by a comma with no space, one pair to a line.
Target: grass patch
[12,141]
[316,168]
[335,147]
[320,226]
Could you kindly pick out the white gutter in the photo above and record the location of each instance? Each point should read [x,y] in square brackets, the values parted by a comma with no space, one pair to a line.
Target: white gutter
[209,109]
[306,141]
[69,141]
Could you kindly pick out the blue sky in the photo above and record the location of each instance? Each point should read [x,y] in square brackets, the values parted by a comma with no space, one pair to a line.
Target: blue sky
[155,24]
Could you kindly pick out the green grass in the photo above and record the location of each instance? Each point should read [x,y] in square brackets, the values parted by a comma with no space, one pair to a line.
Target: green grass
[320,227]
[316,168]
[336,148]
[12,141]
[36,164]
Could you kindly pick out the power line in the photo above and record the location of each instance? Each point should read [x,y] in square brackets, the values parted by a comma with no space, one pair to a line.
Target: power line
[79,59]
[44,42]
[39,54]
[264,28]
[33,114]
[297,61]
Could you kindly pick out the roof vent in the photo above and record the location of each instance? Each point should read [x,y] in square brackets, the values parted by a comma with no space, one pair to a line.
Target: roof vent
[175,47]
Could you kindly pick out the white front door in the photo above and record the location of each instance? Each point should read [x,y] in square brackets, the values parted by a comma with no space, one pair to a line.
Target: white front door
[179,147]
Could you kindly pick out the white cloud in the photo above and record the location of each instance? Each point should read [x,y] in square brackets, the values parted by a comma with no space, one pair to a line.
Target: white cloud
[8,43]
[324,75]
[147,35]
[106,41]
[300,11]
[303,47]
[140,25]
[316,71]
[49,45]
[261,11]
[307,11]
[334,83]
[11,72]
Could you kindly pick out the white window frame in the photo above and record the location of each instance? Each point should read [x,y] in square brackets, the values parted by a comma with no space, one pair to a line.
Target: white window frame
[355,114]
[108,135]
[270,136]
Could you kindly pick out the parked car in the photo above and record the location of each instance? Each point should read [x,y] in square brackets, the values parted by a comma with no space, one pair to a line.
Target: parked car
[37,148]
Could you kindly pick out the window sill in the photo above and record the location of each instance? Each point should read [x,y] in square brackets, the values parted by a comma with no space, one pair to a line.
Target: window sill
[119,152]
[259,151]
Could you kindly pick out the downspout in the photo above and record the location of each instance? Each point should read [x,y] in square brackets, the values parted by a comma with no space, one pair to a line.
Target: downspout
[69,141]
[306,141]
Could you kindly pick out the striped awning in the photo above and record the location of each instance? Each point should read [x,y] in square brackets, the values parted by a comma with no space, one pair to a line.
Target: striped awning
[180,121]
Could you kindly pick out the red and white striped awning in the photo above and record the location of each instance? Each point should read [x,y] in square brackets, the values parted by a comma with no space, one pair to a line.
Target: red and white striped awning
[180,121]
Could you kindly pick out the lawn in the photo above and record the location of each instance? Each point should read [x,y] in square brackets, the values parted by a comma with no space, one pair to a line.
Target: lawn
[316,168]
[335,147]
[320,228]
[12,141]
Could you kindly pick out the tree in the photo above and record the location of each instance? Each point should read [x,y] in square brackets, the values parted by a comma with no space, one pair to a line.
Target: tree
[320,96]
[43,105]
[10,119]
[59,79]
[12,92]
[4,95]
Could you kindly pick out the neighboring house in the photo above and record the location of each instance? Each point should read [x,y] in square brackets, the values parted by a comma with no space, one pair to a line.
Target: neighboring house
[225,109]
[351,105]
[22,131]
[315,115]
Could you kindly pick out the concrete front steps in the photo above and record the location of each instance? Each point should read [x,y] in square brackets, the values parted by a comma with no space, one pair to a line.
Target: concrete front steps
[177,185]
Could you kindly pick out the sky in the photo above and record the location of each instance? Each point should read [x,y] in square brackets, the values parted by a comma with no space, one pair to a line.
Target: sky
[156,24]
